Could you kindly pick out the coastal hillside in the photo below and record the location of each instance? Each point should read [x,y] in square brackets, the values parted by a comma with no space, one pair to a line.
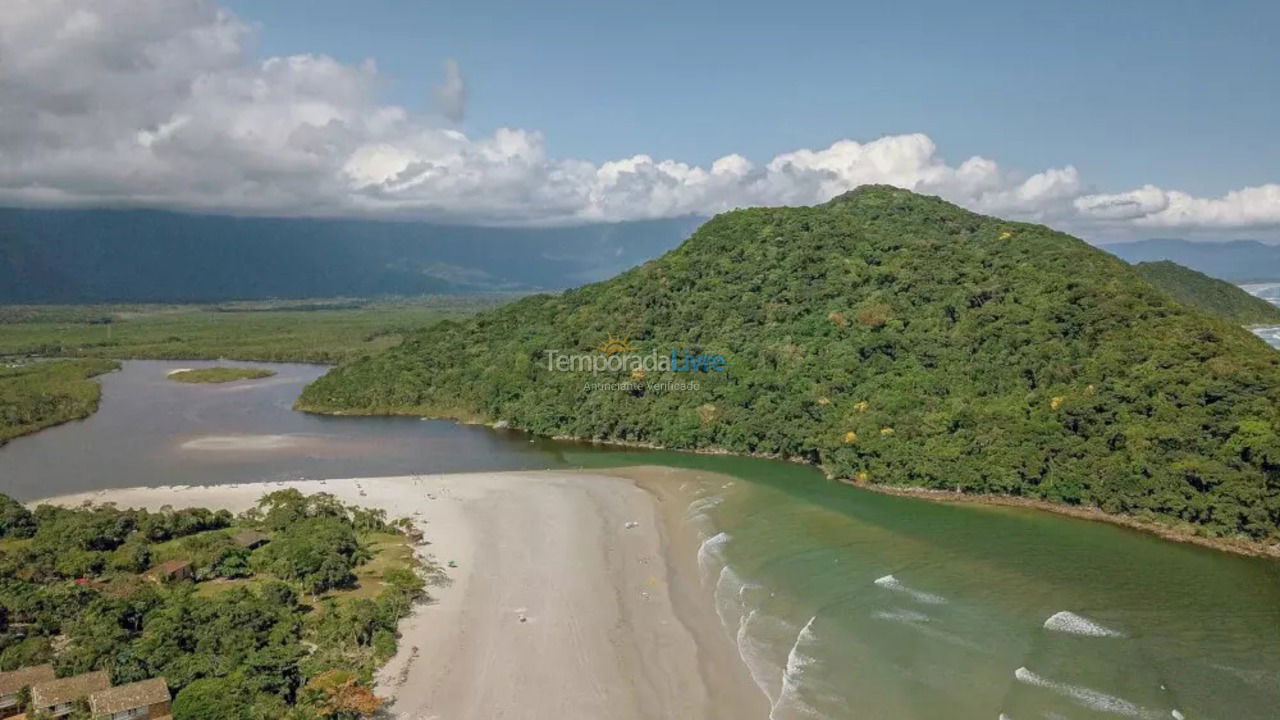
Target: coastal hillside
[1210,294]
[891,338]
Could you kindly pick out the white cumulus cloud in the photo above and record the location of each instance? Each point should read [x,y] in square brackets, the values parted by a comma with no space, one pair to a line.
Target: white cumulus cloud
[161,103]
[1152,206]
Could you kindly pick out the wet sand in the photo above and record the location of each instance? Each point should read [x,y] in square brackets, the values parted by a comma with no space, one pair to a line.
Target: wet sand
[575,595]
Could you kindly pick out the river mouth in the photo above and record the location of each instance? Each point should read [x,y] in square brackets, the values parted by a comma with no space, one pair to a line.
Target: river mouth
[842,603]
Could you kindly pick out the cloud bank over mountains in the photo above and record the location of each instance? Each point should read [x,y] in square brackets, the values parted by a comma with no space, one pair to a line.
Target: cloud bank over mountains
[163,103]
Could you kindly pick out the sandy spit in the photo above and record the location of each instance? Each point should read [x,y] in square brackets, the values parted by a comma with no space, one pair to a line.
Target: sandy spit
[574,595]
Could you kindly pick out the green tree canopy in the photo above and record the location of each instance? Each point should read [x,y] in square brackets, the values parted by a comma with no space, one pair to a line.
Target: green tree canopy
[890,338]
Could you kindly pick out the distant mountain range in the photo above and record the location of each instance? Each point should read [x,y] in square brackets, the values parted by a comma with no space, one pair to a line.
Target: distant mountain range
[68,256]
[1237,261]
[85,256]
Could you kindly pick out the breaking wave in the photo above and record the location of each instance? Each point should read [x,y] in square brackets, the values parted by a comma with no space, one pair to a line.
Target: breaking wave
[703,504]
[1087,697]
[1069,622]
[710,554]
[798,663]
[889,582]
[766,673]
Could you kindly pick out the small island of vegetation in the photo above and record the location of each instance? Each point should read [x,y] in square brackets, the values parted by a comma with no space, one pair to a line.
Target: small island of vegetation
[219,374]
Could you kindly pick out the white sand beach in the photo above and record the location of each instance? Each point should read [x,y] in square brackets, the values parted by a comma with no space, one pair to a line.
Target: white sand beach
[575,596]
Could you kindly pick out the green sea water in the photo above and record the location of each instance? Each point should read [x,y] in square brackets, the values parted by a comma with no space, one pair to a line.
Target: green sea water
[845,603]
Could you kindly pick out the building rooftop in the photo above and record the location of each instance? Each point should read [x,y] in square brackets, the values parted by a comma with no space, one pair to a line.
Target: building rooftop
[65,690]
[14,680]
[129,697]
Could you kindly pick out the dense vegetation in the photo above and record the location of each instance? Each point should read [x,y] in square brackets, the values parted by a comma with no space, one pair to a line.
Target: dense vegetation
[891,338]
[326,331]
[94,256]
[36,395]
[1212,295]
[282,631]
[219,374]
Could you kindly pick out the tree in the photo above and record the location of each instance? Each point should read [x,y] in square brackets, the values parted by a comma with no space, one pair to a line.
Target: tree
[320,552]
[15,519]
[209,699]
[133,556]
[338,695]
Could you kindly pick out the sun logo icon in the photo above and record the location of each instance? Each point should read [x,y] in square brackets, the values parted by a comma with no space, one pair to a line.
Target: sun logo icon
[613,345]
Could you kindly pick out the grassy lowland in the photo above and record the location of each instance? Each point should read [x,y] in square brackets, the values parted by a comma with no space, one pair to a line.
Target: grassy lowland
[1209,294]
[37,395]
[219,374]
[890,338]
[289,624]
[317,331]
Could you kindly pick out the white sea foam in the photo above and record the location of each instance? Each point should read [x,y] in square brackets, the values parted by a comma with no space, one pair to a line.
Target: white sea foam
[729,599]
[710,555]
[789,703]
[703,504]
[766,673]
[889,582]
[906,616]
[1257,678]
[699,513]
[1087,697]
[1069,622]
[753,632]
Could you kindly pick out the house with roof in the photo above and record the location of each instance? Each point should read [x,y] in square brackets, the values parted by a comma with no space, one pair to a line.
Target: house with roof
[12,684]
[58,697]
[143,700]
[174,570]
[250,539]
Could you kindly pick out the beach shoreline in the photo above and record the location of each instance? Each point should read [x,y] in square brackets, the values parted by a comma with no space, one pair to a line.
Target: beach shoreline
[570,594]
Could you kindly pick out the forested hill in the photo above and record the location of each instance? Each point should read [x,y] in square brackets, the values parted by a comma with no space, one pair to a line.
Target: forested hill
[68,256]
[892,338]
[1209,294]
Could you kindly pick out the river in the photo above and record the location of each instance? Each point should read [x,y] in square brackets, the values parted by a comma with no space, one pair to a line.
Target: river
[843,603]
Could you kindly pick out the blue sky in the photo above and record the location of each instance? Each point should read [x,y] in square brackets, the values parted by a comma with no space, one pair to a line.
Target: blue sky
[1181,94]
[1111,120]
